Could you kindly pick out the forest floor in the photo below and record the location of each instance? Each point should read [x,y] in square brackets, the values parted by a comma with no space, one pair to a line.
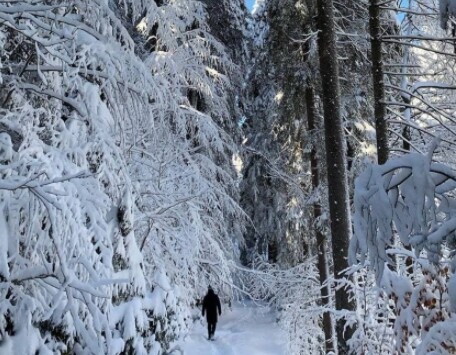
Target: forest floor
[245,329]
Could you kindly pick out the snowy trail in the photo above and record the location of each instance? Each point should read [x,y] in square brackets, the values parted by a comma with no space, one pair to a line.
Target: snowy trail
[244,330]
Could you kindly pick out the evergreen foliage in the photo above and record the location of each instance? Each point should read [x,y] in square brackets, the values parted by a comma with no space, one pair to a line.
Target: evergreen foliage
[118,187]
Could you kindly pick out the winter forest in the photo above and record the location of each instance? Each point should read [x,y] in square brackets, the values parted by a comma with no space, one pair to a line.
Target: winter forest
[300,157]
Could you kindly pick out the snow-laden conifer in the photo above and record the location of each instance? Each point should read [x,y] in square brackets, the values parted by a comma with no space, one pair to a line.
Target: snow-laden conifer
[118,186]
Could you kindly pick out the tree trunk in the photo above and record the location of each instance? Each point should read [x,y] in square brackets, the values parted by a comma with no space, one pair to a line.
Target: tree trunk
[335,160]
[321,242]
[406,133]
[378,84]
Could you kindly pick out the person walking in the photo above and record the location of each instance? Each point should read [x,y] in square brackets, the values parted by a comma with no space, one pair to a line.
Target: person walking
[211,304]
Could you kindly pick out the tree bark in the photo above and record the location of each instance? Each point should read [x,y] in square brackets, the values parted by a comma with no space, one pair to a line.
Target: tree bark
[381,127]
[335,160]
[406,133]
[321,242]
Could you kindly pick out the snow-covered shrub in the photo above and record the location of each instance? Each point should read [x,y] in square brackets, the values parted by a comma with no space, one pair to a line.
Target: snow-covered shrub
[408,204]
[373,334]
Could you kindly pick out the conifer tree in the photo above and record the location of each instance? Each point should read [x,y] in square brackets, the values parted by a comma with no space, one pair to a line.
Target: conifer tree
[119,190]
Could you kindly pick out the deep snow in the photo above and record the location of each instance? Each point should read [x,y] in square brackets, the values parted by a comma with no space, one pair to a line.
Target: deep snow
[243,330]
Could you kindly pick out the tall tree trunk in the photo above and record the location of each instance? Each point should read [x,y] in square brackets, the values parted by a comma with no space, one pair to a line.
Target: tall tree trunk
[321,242]
[407,114]
[378,84]
[335,160]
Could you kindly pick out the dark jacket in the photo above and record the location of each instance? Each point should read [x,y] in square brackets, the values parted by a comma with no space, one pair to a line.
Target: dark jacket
[211,304]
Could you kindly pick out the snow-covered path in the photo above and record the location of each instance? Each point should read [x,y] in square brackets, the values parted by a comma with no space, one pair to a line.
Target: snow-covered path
[244,330]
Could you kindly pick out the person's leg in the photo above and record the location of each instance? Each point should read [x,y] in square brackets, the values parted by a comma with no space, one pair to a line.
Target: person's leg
[209,330]
[214,325]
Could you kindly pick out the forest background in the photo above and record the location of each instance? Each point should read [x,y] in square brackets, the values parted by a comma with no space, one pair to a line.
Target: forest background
[300,155]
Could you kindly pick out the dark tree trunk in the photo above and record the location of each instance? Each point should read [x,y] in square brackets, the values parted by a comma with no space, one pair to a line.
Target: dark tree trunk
[381,127]
[335,160]
[406,146]
[321,241]
[407,137]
